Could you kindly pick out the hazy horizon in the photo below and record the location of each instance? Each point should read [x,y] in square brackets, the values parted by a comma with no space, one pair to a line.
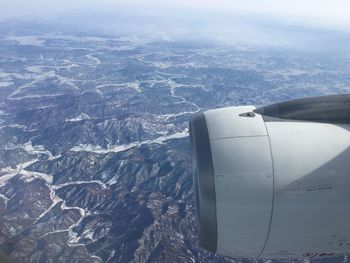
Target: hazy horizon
[308,25]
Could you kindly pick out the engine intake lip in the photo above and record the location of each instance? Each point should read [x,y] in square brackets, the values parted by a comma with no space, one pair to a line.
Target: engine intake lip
[203,181]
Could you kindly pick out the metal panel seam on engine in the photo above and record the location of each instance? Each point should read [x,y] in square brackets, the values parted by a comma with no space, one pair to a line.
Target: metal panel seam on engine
[273,194]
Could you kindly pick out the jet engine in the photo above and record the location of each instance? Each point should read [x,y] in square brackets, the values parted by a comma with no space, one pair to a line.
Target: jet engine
[274,181]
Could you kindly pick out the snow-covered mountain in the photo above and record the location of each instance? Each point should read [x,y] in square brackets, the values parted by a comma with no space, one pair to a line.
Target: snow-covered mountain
[94,148]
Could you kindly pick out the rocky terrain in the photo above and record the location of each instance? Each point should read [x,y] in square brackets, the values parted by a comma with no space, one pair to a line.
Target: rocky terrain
[94,148]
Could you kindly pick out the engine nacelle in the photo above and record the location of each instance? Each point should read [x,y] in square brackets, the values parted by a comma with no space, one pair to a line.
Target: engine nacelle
[274,182]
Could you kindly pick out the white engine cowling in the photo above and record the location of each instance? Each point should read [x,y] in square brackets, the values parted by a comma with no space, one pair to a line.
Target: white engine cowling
[274,182]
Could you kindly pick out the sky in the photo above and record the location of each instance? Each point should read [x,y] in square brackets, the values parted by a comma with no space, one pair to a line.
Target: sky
[322,13]
[264,21]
